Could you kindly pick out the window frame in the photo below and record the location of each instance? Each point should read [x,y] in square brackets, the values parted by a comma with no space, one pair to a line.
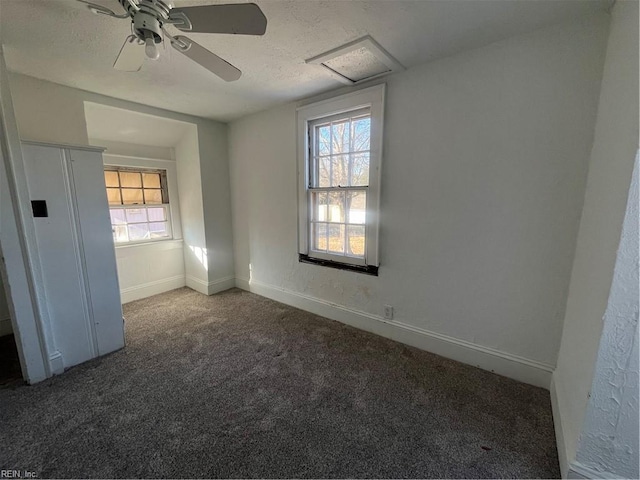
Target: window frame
[373,99]
[164,187]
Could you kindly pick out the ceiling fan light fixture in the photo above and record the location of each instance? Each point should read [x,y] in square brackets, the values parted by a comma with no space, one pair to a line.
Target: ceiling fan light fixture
[358,61]
[150,48]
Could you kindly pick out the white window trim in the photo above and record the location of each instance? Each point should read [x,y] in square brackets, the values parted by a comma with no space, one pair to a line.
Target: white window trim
[372,97]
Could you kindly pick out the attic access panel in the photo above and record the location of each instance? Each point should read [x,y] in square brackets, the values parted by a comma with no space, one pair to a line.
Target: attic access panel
[358,61]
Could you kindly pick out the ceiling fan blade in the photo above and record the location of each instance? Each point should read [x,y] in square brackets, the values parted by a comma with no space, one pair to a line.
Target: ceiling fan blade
[241,19]
[131,56]
[204,57]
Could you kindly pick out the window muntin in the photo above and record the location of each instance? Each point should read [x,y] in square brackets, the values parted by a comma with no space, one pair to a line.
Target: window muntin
[339,161]
[138,204]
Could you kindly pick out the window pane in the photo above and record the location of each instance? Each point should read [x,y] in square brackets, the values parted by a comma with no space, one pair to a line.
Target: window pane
[324,169]
[130,179]
[320,236]
[151,180]
[132,196]
[336,209]
[356,240]
[138,231]
[113,196]
[152,196]
[359,169]
[340,137]
[117,216]
[156,214]
[111,179]
[340,170]
[357,206]
[336,239]
[324,140]
[320,208]
[120,233]
[135,215]
[361,131]
[158,230]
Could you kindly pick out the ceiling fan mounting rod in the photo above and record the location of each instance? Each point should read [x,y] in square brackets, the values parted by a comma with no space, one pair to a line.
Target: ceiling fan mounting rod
[159,8]
[131,6]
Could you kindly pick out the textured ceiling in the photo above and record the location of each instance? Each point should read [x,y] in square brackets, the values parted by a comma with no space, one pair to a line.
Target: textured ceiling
[63,42]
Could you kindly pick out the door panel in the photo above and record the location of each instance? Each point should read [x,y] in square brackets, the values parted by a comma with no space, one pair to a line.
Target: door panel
[58,252]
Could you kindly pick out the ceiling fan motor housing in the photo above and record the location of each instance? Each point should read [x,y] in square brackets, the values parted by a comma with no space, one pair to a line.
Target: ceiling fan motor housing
[148,17]
[144,23]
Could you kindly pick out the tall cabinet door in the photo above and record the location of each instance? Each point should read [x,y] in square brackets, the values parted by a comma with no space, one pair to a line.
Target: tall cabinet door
[75,249]
[99,254]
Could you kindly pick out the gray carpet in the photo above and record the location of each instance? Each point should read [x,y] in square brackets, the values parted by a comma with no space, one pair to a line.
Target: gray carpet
[236,385]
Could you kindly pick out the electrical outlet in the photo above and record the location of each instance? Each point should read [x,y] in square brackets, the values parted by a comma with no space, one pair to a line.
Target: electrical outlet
[388,312]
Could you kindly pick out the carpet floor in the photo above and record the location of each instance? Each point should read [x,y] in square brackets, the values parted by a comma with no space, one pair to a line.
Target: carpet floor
[239,386]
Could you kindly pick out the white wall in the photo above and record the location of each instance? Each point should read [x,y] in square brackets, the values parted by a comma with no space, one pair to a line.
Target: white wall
[609,439]
[192,211]
[610,168]
[34,340]
[216,197]
[50,112]
[150,268]
[483,175]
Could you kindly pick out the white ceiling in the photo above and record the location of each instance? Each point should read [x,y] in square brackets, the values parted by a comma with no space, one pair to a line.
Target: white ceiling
[63,42]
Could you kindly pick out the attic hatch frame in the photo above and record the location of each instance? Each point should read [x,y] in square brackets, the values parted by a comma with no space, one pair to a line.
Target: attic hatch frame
[370,45]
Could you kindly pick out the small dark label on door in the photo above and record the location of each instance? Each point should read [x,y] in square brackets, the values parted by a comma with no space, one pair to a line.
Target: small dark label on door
[39,208]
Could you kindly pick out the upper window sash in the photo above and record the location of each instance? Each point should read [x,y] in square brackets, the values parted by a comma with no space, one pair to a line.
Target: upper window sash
[323,153]
[161,190]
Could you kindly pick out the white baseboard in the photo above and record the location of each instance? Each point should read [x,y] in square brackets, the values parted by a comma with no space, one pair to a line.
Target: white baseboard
[56,363]
[5,327]
[149,289]
[209,288]
[557,425]
[506,364]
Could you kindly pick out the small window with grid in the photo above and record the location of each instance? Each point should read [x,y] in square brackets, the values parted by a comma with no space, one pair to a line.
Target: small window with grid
[138,204]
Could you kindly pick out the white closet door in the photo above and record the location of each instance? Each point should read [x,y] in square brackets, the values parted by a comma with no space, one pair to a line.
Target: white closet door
[75,246]
[46,170]
[99,254]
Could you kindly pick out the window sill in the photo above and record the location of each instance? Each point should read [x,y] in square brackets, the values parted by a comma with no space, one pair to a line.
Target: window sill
[166,243]
[366,269]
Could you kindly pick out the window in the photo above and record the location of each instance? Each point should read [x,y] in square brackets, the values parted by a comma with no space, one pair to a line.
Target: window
[138,204]
[341,144]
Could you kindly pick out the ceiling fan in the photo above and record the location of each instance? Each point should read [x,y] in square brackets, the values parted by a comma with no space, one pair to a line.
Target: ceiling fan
[150,17]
